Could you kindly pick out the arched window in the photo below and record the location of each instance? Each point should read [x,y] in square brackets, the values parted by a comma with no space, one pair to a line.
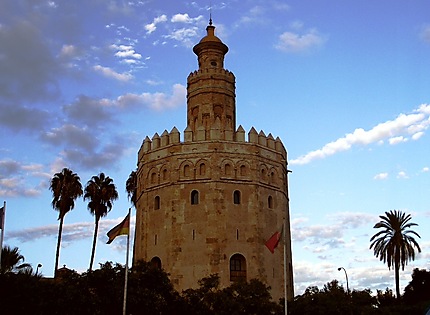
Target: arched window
[242,170]
[236,197]
[194,197]
[187,171]
[157,202]
[227,169]
[165,174]
[270,202]
[153,178]
[156,262]
[263,174]
[237,268]
[202,169]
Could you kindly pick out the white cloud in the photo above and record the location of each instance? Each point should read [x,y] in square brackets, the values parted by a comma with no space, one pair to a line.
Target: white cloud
[125,51]
[151,27]
[69,51]
[184,35]
[185,18]
[157,101]
[108,72]
[396,140]
[381,176]
[404,125]
[295,43]
[402,175]
[417,135]
[425,169]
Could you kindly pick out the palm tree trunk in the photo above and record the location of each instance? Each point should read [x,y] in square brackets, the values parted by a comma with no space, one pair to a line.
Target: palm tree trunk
[96,228]
[396,275]
[57,254]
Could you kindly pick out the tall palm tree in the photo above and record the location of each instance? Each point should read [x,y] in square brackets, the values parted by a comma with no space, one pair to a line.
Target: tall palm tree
[66,187]
[131,187]
[12,260]
[394,244]
[101,192]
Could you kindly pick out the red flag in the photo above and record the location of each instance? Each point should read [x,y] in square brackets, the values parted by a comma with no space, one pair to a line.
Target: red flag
[274,240]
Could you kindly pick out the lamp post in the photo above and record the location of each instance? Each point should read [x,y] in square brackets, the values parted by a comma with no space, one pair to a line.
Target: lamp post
[37,268]
[346,276]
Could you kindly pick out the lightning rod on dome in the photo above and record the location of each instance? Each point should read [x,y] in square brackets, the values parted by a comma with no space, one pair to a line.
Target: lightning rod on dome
[210,12]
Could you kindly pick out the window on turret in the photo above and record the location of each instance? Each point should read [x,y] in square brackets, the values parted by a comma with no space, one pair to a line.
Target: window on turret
[270,202]
[236,197]
[213,63]
[157,202]
[237,268]
[194,197]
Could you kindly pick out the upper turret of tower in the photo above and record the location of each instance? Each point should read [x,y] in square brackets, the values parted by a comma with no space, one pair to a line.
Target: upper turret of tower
[211,109]
[210,50]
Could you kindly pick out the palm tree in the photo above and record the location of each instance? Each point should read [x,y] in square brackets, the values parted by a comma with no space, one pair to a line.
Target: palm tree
[101,192]
[11,261]
[66,187]
[131,187]
[393,244]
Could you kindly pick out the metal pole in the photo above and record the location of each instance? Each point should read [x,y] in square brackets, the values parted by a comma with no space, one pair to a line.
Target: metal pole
[346,276]
[285,267]
[286,215]
[124,305]
[3,217]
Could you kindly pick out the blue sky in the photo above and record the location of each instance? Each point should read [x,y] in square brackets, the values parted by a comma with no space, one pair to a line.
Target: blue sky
[344,84]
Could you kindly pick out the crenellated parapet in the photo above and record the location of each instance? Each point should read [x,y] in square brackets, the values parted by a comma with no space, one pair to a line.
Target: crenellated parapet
[173,137]
[212,71]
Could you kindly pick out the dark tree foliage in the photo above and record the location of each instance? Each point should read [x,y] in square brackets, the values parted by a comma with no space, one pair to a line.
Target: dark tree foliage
[249,298]
[150,292]
[417,292]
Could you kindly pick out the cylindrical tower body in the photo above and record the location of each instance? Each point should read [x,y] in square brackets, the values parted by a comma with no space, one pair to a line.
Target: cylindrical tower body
[209,203]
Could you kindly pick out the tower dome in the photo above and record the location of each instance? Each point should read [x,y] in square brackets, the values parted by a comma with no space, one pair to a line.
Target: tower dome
[210,50]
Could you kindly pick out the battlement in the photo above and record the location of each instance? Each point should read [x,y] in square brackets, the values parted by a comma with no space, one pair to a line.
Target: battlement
[166,139]
[220,71]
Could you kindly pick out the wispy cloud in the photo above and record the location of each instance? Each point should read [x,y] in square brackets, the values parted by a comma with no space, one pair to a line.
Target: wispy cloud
[14,179]
[108,72]
[151,27]
[71,232]
[402,175]
[292,42]
[381,176]
[157,101]
[395,131]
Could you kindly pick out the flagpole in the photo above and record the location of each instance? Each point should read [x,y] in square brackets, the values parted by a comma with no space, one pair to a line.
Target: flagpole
[285,268]
[287,214]
[3,216]
[124,305]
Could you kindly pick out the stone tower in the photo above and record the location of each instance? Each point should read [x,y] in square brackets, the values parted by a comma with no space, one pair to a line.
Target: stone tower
[207,204]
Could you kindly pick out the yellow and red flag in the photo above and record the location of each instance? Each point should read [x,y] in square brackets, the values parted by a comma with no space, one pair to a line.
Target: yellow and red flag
[120,229]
